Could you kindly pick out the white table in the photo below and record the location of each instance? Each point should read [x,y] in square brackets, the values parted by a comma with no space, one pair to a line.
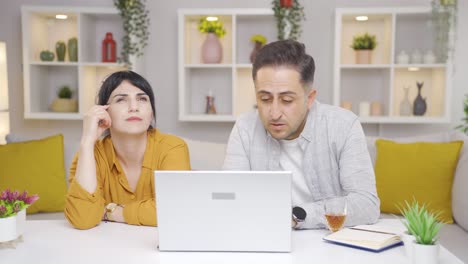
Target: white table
[55,241]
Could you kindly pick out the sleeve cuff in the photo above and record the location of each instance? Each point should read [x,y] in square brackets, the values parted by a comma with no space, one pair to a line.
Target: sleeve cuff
[77,191]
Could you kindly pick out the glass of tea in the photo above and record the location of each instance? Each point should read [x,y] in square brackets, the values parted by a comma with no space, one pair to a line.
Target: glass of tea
[335,213]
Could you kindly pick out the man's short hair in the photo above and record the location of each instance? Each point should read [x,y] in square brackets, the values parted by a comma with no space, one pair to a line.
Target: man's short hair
[289,53]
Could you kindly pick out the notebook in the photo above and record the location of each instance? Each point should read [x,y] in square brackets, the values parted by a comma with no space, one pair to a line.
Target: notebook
[367,237]
[223,210]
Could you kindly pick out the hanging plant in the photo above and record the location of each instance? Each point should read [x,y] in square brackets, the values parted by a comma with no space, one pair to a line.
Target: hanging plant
[288,14]
[135,24]
[444,21]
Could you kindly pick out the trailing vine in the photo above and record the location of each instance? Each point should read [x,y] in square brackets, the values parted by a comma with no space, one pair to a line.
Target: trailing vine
[135,24]
[288,18]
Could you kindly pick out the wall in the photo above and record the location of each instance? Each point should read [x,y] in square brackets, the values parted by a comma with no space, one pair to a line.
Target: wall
[161,64]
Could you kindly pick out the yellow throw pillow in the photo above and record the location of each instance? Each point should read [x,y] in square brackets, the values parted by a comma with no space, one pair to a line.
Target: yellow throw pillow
[35,166]
[420,170]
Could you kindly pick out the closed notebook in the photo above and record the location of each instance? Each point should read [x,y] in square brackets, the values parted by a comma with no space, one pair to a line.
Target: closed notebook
[370,238]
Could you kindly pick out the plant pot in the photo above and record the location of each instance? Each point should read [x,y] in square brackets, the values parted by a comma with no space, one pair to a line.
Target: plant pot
[12,227]
[73,49]
[64,105]
[425,254]
[363,56]
[256,48]
[212,51]
[60,49]
[408,241]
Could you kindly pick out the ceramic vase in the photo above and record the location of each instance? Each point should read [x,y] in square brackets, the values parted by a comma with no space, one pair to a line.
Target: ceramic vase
[64,105]
[405,105]
[425,254]
[419,105]
[12,227]
[73,49]
[363,56]
[60,49]
[212,51]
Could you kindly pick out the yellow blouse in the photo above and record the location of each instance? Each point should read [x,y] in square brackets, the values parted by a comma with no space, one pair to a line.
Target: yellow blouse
[84,210]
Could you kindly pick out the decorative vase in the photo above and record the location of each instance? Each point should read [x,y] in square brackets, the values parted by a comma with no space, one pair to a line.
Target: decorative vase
[60,49]
[429,57]
[419,105]
[416,57]
[212,51]
[47,55]
[425,254]
[405,105]
[256,48]
[12,227]
[363,56]
[403,57]
[109,48]
[64,105]
[73,49]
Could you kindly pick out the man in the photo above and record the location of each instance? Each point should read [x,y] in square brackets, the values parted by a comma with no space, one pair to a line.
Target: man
[323,146]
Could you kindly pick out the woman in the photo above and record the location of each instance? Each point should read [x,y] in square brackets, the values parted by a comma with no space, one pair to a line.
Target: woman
[112,178]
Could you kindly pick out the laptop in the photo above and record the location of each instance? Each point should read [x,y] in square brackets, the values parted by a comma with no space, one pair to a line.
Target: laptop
[224,210]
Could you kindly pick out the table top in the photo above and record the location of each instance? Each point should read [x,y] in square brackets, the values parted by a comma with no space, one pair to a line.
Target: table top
[56,241]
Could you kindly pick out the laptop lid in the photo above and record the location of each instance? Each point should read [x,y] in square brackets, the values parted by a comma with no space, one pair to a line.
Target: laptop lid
[223,210]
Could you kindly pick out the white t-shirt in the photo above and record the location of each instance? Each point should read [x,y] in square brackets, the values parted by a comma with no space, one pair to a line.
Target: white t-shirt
[291,160]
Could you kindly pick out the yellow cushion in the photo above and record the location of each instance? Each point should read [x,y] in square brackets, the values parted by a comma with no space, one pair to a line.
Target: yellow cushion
[420,170]
[35,166]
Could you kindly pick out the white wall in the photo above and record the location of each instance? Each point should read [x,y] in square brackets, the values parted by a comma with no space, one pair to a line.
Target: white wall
[161,63]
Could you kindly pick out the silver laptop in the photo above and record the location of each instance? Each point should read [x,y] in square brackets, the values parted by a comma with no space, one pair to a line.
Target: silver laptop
[223,210]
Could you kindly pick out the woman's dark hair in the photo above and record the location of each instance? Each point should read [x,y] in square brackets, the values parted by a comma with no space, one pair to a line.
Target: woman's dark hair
[288,53]
[116,78]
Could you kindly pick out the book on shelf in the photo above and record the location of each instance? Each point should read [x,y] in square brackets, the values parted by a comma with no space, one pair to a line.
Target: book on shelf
[368,237]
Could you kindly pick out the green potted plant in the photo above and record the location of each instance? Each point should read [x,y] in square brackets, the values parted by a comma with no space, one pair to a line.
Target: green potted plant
[363,45]
[64,101]
[212,51]
[464,127]
[135,24]
[425,227]
[259,41]
[13,213]
[288,14]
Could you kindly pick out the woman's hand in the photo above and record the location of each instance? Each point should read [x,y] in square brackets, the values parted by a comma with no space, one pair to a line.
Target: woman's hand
[95,122]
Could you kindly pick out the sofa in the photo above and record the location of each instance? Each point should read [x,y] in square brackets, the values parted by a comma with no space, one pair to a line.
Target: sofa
[209,156]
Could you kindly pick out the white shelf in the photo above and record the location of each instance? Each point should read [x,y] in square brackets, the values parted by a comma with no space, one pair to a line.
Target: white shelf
[42,79]
[403,120]
[208,118]
[383,80]
[366,66]
[230,82]
[208,65]
[54,116]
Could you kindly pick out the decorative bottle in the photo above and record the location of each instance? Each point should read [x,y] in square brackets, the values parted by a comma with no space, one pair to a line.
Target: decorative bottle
[419,105]
[109,48]
[405,105]
[210,107]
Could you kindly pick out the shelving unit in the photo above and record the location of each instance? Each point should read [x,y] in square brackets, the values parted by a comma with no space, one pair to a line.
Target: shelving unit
[41,30]
[383,80]
[230,81]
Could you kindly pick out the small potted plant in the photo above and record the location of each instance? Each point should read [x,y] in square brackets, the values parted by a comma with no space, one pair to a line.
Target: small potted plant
[363,45]
[64,102]
[212,51]
[13,213]
[259,41]
[424,226]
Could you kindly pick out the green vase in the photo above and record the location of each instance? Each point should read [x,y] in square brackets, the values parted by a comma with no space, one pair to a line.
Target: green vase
[60,49]
[73,49]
